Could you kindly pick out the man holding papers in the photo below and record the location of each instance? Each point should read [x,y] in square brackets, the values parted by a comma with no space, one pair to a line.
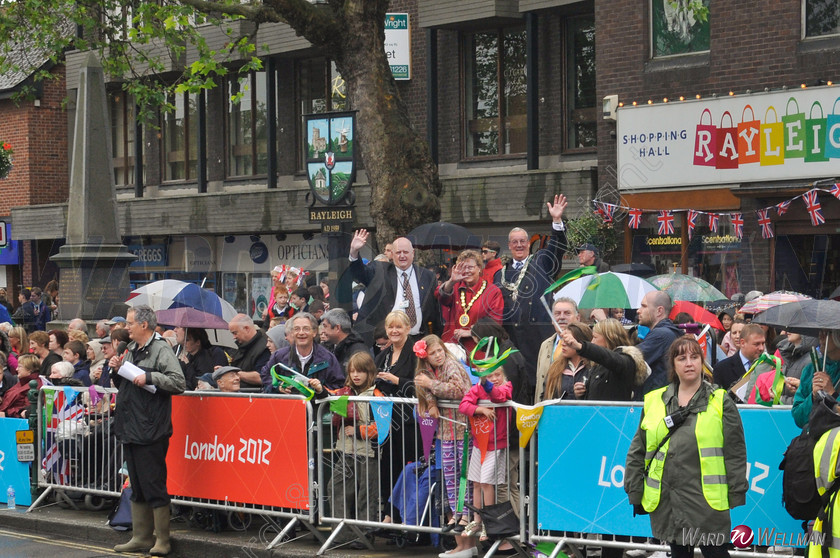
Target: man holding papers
[143,423]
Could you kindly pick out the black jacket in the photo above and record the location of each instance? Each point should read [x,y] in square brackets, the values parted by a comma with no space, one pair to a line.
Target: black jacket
[349,346]
[380,280]
[252,356]
[142,417]
[612,374]
[728,371]
[526,319]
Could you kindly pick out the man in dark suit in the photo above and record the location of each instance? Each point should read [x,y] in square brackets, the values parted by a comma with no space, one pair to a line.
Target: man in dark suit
[730,370]
[397,285]
[523,281]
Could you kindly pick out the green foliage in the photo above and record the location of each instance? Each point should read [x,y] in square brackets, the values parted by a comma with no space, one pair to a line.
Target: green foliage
[590,227]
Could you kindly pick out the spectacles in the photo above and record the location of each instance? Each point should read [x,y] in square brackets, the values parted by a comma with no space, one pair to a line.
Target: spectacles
[518,242]
[486,251]
[305,329]
[469,267]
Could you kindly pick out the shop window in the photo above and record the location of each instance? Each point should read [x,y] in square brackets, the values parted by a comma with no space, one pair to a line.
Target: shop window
[822,17]
[320,88]
[123,124]
[180,138]
[581,103]
[247,125]
[679,27]
[494,92]
[717,257]
[808,264]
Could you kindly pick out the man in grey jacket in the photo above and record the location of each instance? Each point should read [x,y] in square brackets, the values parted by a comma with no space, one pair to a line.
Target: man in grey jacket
[143,424]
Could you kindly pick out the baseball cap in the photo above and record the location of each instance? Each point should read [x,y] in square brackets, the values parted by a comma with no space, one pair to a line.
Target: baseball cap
[587,246]
[115,320]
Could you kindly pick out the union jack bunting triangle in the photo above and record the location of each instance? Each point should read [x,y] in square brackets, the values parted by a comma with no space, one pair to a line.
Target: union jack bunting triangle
[812,204]
[781,208]
[713,221]
[692,222]
[666,222]
[835,191]
[738,224]
[635,218]
[764,222]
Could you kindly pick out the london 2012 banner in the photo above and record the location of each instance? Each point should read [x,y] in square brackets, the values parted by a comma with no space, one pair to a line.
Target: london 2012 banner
[740,138]
[240,449]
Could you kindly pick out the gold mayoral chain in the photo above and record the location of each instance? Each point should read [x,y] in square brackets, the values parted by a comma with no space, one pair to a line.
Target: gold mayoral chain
[464,320]
[514,287]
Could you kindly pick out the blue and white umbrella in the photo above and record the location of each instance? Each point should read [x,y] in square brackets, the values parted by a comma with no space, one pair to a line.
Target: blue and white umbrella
[171,293]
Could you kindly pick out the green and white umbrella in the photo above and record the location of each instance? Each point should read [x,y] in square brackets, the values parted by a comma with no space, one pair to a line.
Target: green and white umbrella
[607,290]
[685,287]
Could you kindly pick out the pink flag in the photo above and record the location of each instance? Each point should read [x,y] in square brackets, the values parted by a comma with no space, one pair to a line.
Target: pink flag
[428,427]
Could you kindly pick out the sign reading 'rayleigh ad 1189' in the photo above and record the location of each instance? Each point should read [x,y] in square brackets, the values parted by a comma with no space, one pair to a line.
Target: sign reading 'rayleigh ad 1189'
[330,154]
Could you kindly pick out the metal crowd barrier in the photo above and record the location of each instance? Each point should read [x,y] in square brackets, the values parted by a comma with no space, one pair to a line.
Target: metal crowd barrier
[357,492]
[351,479]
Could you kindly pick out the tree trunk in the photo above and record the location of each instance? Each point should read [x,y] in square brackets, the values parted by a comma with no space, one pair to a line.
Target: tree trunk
[403,178]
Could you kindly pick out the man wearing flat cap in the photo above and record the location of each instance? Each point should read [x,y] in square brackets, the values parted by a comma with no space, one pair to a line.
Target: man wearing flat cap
[588,255]
[227,378]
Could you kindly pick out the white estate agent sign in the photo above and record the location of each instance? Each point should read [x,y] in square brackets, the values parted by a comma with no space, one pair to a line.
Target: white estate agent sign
[398,45]
[742,138]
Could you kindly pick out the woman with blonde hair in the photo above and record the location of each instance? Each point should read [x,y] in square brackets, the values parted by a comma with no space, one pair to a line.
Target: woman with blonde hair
[617,366]
[570,369]
[19,340]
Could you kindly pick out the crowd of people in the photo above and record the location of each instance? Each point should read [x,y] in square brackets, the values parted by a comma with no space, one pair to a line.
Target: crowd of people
[418,333]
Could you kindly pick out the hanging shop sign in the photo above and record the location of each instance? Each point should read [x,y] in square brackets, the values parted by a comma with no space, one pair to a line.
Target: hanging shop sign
[330,152]
[739,138]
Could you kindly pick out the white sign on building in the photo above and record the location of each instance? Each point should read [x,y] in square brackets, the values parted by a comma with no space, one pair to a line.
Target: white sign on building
[398,45]
[741,138]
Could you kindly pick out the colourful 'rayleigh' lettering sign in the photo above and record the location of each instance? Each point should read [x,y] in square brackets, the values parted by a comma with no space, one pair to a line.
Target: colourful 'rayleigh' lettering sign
[767,136]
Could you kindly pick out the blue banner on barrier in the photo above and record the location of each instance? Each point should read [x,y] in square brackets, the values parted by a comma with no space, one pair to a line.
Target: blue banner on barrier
[581,456]
[12,471]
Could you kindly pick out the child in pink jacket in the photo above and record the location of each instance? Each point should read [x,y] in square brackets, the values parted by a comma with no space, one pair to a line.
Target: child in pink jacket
[486,474]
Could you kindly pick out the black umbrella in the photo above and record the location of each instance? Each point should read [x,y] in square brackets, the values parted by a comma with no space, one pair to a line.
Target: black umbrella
[443,236]
[807,317]
[637,269]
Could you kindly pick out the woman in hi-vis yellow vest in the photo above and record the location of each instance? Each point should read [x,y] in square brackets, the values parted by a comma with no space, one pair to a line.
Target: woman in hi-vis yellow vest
[687,464]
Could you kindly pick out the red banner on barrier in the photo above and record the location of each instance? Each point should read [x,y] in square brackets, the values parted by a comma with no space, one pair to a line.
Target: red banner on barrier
[238,449]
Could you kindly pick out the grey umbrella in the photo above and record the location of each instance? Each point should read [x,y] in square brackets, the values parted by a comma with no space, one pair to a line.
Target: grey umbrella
[808,317]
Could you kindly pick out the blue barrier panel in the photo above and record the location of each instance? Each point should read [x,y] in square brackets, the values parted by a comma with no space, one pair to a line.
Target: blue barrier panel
[12,471]
[581,455]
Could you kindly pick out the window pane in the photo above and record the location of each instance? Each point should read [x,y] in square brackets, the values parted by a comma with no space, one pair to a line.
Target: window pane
[192,128]
[122,137]
[582,117]
[514,102]
[260,122]
[482,94]
[822,17]
[680,26]
[239,128]
[174,127]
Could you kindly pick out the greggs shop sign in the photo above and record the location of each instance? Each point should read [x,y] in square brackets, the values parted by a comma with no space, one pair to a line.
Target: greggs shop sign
[741,138]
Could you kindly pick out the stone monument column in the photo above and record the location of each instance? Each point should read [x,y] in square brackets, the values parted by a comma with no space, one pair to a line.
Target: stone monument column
[93,265]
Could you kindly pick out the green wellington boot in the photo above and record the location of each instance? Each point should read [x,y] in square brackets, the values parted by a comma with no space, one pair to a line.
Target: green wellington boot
[162,546]
[141,525]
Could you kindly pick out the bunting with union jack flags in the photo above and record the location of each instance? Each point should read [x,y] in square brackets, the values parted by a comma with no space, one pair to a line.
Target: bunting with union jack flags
[764,223]
[62,410]
[666,222]
[781,208]
[835,190]
[812,204]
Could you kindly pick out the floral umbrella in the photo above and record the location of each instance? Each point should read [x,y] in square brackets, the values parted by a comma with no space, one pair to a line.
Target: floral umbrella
[685,287]
[765,302]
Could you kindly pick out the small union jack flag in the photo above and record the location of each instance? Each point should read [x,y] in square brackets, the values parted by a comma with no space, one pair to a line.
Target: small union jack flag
[738,224]
[781,208]
[835,191]
[666,222]
[605,210]
[764,222]
[713,221]
[635,218]
[692,222]
[812,204]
